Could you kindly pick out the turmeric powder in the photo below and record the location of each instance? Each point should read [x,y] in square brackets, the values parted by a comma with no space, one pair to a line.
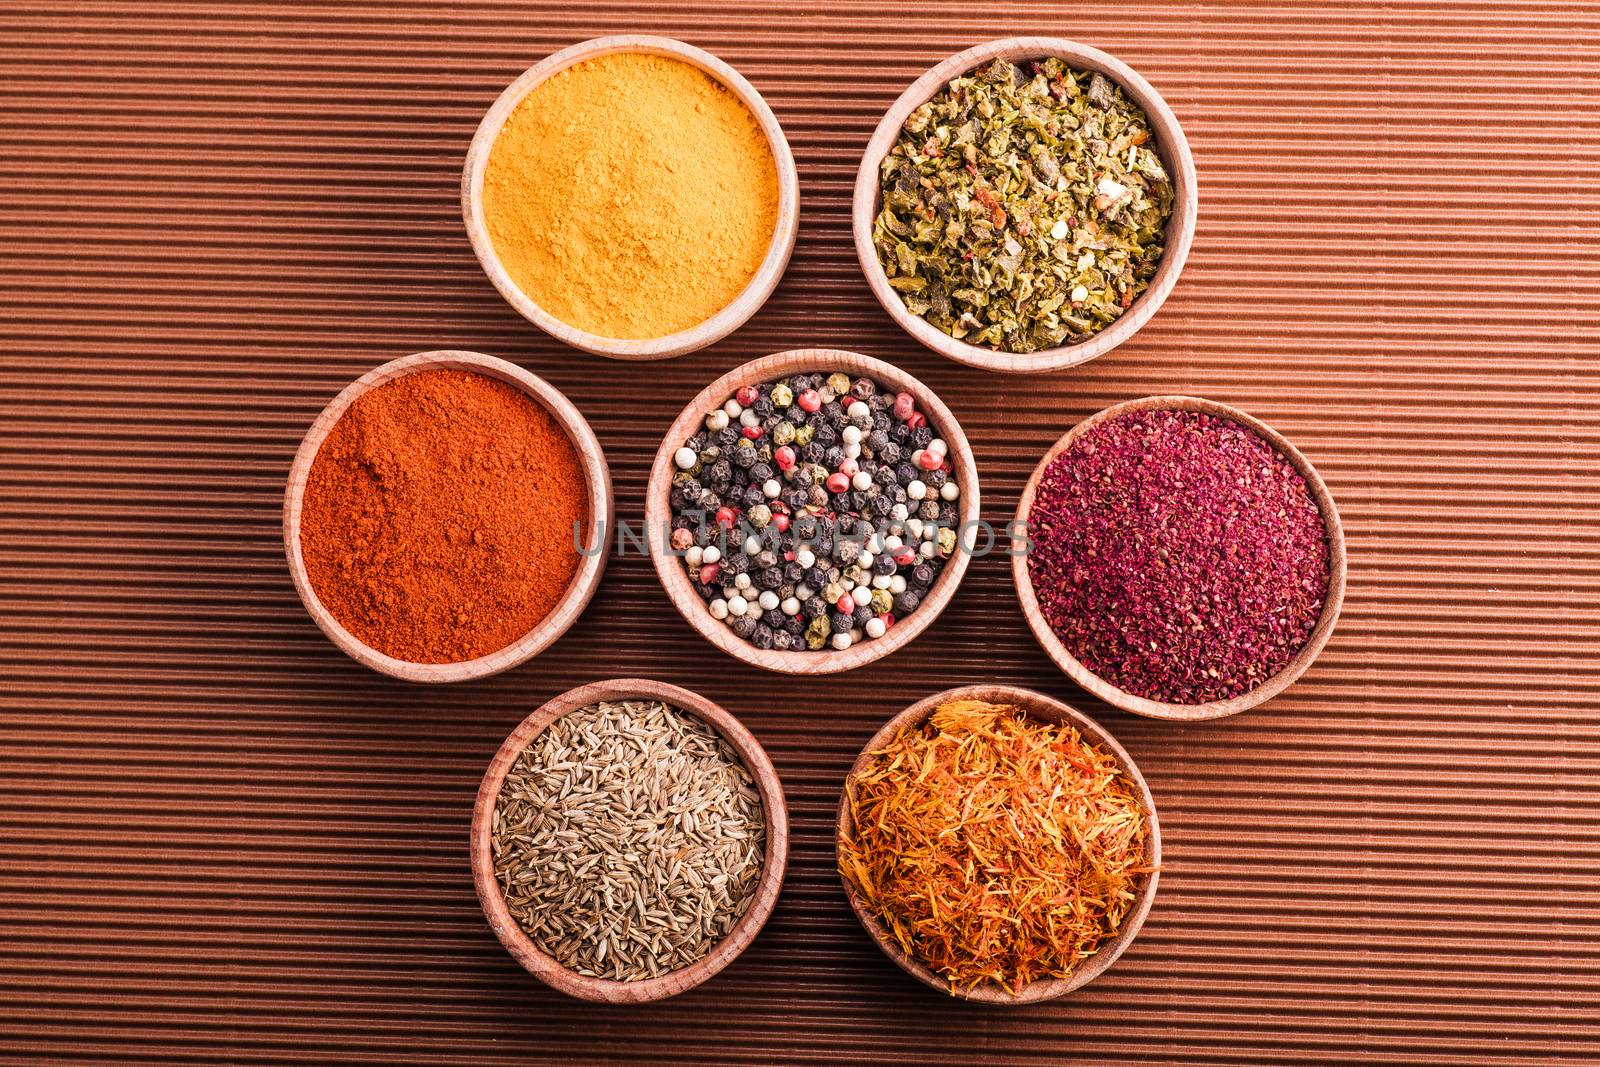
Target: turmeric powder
[631,196]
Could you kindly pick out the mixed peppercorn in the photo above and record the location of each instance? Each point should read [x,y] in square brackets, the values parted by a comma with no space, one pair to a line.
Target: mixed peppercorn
[814,511]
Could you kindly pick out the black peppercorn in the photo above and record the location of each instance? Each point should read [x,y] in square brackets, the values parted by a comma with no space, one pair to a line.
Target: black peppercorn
[744,626]
[762,637]
[907,602]
[841,622]
[884,564]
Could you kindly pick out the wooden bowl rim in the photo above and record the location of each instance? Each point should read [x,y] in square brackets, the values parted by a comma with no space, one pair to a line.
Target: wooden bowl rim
[580,590]
[670,569]
[1051,710]
[1338,566]
[713,329]
[775,814]
[1171,143]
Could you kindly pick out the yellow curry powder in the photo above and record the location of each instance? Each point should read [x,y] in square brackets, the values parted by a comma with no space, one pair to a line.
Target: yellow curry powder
[631,196]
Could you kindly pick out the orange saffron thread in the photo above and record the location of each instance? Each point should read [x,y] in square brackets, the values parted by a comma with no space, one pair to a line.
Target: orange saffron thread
[995,847]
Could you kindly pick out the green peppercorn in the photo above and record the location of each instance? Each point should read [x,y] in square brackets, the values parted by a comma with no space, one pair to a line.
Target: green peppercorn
[783,433]
[759,516]
[839,382]
[804,434]
[782,395]
[818,632]
[947,540]
[882,601]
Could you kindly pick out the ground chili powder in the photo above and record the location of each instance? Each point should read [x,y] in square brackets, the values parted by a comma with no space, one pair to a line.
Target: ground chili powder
[1178,555]
[438,517]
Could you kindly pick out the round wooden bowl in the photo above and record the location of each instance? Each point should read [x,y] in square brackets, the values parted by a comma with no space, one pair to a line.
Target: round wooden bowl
[1216,709]
[670,568]
[1049,710]
[718,326]
[1171,145]
[597,478]
[539,963]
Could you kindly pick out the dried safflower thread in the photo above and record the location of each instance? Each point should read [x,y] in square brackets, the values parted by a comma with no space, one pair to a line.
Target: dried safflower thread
[1178,555]
[994,846]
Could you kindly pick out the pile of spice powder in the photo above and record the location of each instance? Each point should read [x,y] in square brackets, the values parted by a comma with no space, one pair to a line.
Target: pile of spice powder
[442,515]
[995,847]
[628,840]
[1178,555]
[815,511]
[1024,206]
[631,196]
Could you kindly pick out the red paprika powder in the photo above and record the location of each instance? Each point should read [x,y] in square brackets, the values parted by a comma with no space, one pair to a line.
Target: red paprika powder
[438,522]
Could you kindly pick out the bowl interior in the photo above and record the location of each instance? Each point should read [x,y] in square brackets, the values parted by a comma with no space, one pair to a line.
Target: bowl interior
[1171,145]
[580,589]
[723,322]
[1043,707]
[670,568]
[775,859]
[1111,694]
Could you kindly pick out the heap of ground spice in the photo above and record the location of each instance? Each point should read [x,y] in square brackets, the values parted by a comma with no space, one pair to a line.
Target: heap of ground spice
[1178,555]
[631,196]
[995,847]
[438,518]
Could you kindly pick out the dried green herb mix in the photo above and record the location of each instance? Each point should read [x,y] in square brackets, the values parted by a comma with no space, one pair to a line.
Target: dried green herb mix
[1024,207]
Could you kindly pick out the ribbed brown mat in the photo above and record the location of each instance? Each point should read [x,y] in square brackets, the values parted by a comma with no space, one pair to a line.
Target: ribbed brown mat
[222,841]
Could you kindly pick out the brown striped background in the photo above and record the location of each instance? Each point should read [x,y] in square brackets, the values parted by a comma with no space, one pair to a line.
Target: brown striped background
[223,842]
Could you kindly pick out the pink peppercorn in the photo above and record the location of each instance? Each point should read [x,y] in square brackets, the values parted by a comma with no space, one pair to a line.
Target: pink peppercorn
[849,466]
[838,482]
[845,603]
[784,457]
[904,405]
[709,572]
[725,517]
[916,420]
[753,432]
[746,395]
[905,555]
[810,400]
[781,521]
[1178,556]
[930,460]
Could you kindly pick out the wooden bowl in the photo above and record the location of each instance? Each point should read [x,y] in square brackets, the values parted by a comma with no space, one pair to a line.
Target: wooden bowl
[1049,710]
[718,326]
[597,479]
[539,963]
[1171,145]
[670,568]
[1216,709]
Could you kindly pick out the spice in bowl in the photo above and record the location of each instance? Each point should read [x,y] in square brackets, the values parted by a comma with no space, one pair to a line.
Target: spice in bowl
[995,847]
[631,195]
[1024,206]
[1178,555]
[815,511]
[439,516]
[628,840]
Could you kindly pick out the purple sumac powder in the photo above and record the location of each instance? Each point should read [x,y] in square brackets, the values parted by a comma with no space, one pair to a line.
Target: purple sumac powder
[1178,555]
